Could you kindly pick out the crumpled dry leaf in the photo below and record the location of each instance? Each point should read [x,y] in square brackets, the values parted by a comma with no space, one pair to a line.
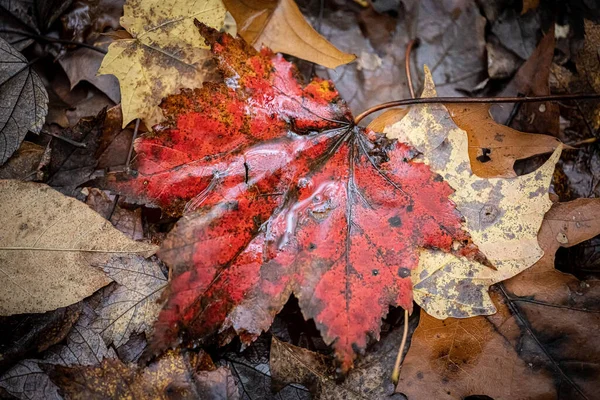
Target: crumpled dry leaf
[542,343]
[82,64]
[51,241]
[24,335]
[452,38]
[29,380]
[127,221]
[172,376]
[503,216]
[279,25]
[23,98]
[24,164]
[532,79]
[133,304]
[166,53]
[370,379]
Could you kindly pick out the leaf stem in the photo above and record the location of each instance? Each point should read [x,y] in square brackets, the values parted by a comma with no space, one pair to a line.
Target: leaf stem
[473,100]
[396,372]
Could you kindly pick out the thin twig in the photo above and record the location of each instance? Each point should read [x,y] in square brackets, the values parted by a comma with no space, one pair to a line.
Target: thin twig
[53,40]
[67,140]
[411,45]
[135,132]
[474,100]
[396,372]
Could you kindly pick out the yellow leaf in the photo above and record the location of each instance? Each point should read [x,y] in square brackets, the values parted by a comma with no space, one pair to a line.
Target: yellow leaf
[503,215]
[166,53]
[279,25]
[49,246]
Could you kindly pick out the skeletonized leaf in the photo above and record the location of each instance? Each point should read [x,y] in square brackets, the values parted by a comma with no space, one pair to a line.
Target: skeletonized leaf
[279,25]
[23,100]
[165,53]
[132,306]
[502,215]
[50,244]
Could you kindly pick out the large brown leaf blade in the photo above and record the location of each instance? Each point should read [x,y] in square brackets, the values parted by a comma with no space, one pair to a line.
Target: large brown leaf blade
[541,343]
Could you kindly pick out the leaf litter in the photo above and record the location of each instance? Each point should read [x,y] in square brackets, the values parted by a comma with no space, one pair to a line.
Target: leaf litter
[383,35]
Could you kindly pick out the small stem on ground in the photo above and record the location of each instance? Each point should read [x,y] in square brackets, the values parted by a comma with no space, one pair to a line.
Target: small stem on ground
[396,372]
[135,132]
[67,140]
[411,45]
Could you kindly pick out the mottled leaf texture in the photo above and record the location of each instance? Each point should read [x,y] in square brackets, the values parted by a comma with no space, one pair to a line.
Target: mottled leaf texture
[164,54]
[502,215]
[171,377]
[23,100]
[281,194]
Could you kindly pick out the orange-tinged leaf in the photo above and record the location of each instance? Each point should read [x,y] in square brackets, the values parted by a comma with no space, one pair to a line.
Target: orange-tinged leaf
[493,147]
[279,25]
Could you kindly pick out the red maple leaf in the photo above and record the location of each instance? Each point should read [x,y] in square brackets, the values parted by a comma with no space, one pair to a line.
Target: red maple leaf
[282,194]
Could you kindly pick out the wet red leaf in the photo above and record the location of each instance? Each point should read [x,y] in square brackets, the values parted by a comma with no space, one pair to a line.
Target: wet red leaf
[281,194]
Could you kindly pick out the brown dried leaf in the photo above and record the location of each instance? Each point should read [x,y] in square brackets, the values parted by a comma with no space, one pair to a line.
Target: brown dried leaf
[279,25]
[493,147]
[24,164]
[50,245]
[172,376]
[542,343]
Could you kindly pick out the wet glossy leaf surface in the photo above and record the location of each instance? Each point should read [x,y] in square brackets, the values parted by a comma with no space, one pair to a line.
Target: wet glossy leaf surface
[280,194]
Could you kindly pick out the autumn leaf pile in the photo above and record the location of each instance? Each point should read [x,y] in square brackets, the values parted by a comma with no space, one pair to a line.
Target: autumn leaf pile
[267,193]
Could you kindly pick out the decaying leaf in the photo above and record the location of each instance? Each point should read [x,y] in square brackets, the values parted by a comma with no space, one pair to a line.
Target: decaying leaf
[279,25]
[588,64]
[49,246]
[502,215]
[281,194]
[132,305]
[369,380]
[540,344]
[24,164]
[165,53]
[127,221]
[23,99]
[25,335]
[172,376]
[28,379]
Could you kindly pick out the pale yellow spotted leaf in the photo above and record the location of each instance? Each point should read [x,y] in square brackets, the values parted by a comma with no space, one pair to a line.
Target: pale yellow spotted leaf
[502,215]
[166,53]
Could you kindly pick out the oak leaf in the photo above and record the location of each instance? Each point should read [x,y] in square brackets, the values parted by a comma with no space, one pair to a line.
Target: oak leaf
[538,345]
[502,215]
[165,53]
[281,194]
[50,244]
[279,25]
